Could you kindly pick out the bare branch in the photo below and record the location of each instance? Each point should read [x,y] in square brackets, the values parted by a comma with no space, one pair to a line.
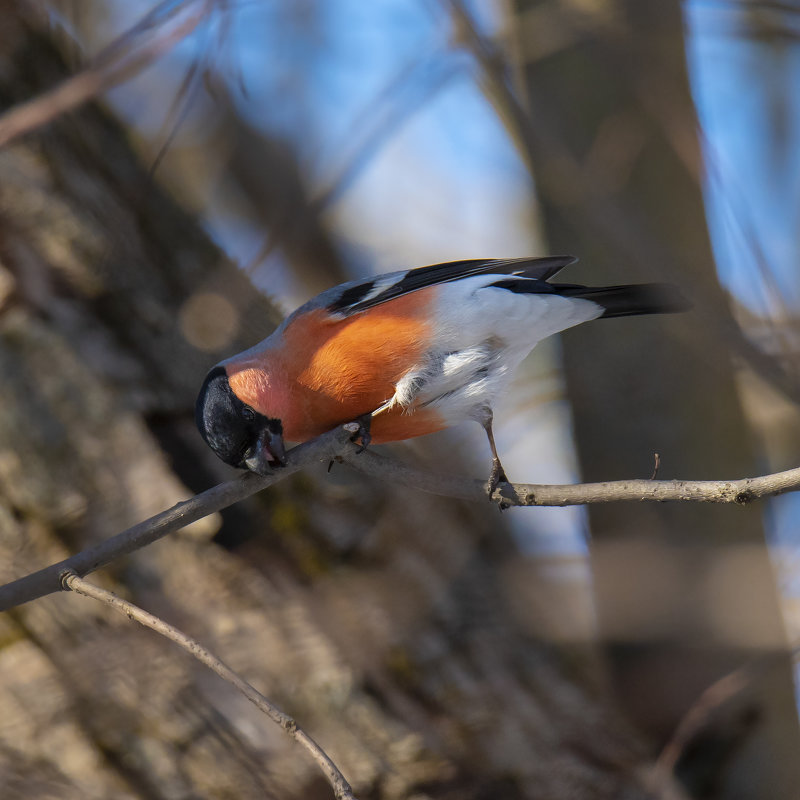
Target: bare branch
[741,491]
[48,580]
[341,788]
[337,445]
[156,33]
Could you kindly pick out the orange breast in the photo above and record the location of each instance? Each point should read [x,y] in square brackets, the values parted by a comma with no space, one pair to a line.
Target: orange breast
[339,369]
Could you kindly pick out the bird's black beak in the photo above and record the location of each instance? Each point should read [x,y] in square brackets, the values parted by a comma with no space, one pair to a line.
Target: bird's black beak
[268,453]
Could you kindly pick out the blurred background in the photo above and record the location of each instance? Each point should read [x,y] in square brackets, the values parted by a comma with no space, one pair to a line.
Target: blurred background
[237,157]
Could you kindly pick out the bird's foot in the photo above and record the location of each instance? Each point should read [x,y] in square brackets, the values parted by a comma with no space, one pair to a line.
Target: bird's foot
[364,422]
[496,477]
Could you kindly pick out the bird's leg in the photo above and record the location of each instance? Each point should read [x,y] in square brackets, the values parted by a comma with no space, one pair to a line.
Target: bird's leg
[364,423]
[498,474]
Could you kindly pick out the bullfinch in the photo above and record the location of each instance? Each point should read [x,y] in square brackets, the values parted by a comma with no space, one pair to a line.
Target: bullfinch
[405,354]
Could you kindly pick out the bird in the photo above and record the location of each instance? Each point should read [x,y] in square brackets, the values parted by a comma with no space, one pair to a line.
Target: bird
[403,354]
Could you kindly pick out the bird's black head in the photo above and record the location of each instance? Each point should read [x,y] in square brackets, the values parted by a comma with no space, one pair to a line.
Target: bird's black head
[237,433]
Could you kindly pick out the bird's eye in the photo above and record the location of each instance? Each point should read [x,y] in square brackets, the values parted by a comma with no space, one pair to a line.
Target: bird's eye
[248,413]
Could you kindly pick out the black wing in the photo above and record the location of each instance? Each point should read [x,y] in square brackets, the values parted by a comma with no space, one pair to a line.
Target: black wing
[354,297]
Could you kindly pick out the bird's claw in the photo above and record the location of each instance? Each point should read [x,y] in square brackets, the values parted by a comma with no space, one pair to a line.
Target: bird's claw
[496,477]
[364,422]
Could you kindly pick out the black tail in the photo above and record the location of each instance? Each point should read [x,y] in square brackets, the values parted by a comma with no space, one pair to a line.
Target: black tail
[625,301]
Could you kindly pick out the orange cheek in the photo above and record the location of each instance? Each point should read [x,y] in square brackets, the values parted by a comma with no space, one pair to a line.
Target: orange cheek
[251,386]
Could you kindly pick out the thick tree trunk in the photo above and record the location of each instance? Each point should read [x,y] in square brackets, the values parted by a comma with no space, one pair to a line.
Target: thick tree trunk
[685,593]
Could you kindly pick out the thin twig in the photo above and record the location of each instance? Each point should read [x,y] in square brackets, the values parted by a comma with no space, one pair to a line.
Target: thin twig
[656,465]
[337,444]
[48,580]
[381,119]
[742,491]
[161,29]
[698,716]
[72,582]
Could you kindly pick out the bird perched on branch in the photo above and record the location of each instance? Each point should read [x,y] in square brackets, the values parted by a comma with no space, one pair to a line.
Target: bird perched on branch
[405,354]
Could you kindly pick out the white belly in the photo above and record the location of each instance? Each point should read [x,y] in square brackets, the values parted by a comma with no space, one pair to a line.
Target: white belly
[482,335]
